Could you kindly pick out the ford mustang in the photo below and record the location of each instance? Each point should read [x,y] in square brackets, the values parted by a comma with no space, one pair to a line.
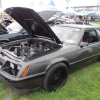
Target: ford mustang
[45,58]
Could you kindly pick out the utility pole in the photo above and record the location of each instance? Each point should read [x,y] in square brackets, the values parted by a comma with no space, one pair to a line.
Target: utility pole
[98,5]
[67,3]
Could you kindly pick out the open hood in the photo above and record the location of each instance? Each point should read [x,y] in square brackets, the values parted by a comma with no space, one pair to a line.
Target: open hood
[32,22]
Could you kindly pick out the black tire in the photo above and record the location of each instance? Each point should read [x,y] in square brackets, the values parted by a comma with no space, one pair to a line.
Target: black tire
[55,77]
[98,58]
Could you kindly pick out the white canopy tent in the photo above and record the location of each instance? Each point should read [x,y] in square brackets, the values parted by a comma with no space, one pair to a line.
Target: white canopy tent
[44,7]
[71,11]
[90,13]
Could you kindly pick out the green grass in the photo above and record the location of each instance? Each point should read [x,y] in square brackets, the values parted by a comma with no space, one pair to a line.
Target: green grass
[98,23]
[83,84]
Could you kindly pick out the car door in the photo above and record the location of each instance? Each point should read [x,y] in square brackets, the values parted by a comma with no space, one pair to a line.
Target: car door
[88,53]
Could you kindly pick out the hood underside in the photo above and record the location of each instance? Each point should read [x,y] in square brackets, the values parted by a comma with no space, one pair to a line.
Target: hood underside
[32,22]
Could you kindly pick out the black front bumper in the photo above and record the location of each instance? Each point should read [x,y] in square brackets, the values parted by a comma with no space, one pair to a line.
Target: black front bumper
[25,85]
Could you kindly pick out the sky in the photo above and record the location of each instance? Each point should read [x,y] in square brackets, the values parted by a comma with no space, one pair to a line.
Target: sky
[58,3]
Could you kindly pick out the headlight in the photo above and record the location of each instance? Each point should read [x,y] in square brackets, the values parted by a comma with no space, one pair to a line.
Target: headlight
[18,67]
[12,65]
[15,66]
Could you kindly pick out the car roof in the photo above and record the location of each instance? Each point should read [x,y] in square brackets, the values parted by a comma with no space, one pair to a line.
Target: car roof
[77,26]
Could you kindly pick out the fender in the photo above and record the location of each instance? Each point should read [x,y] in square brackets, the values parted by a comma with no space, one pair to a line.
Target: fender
[56,61]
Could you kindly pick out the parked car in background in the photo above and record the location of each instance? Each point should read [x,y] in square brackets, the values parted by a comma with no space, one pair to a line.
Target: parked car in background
[53,17]
[54,20]
[44,59]
[15,31]
[12,32]
[66,21]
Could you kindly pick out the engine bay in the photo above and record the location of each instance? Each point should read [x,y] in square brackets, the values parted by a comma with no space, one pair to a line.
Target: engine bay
[26,49]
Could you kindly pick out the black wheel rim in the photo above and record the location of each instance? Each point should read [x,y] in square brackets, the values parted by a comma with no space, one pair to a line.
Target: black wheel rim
[57,77]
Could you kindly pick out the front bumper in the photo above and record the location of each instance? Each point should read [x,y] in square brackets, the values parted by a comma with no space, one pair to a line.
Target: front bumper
[19,85]
[25,85]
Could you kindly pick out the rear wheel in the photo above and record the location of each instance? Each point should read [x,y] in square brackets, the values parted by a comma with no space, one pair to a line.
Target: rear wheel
[55,77]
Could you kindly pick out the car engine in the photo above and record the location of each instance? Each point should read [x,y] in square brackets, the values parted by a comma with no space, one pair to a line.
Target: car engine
[25,50]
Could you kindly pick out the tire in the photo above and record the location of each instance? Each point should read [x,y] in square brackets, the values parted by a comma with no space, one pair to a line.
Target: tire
[55,77]
[98,58]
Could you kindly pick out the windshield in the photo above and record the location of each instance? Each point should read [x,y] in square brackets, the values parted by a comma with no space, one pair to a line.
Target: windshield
[68,34]
[14,27]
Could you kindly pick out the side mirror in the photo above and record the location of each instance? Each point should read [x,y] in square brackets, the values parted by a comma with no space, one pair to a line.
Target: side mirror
[82,44]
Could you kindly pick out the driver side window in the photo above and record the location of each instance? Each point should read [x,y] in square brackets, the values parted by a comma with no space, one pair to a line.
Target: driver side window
[90,36]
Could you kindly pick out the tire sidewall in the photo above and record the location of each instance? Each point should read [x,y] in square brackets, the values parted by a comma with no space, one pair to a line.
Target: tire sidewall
[46,83]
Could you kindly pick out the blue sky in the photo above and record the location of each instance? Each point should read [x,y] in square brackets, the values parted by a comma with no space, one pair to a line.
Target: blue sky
[58,3]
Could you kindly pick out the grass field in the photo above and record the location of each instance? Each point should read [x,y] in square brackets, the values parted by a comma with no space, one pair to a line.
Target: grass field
[98,23]
[83,84]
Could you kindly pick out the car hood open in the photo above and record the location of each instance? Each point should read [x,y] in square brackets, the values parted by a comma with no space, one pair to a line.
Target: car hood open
[32,22]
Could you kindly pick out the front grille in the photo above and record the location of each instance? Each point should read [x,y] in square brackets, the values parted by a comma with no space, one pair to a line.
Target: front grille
[1,64]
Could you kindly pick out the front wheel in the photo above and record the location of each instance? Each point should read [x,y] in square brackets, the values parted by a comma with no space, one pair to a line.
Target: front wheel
[55,77]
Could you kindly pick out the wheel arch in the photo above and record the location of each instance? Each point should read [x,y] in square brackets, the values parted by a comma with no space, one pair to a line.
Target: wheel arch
[65,62]
[58,60]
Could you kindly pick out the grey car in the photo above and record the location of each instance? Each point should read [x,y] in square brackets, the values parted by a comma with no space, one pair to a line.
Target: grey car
[44,59]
